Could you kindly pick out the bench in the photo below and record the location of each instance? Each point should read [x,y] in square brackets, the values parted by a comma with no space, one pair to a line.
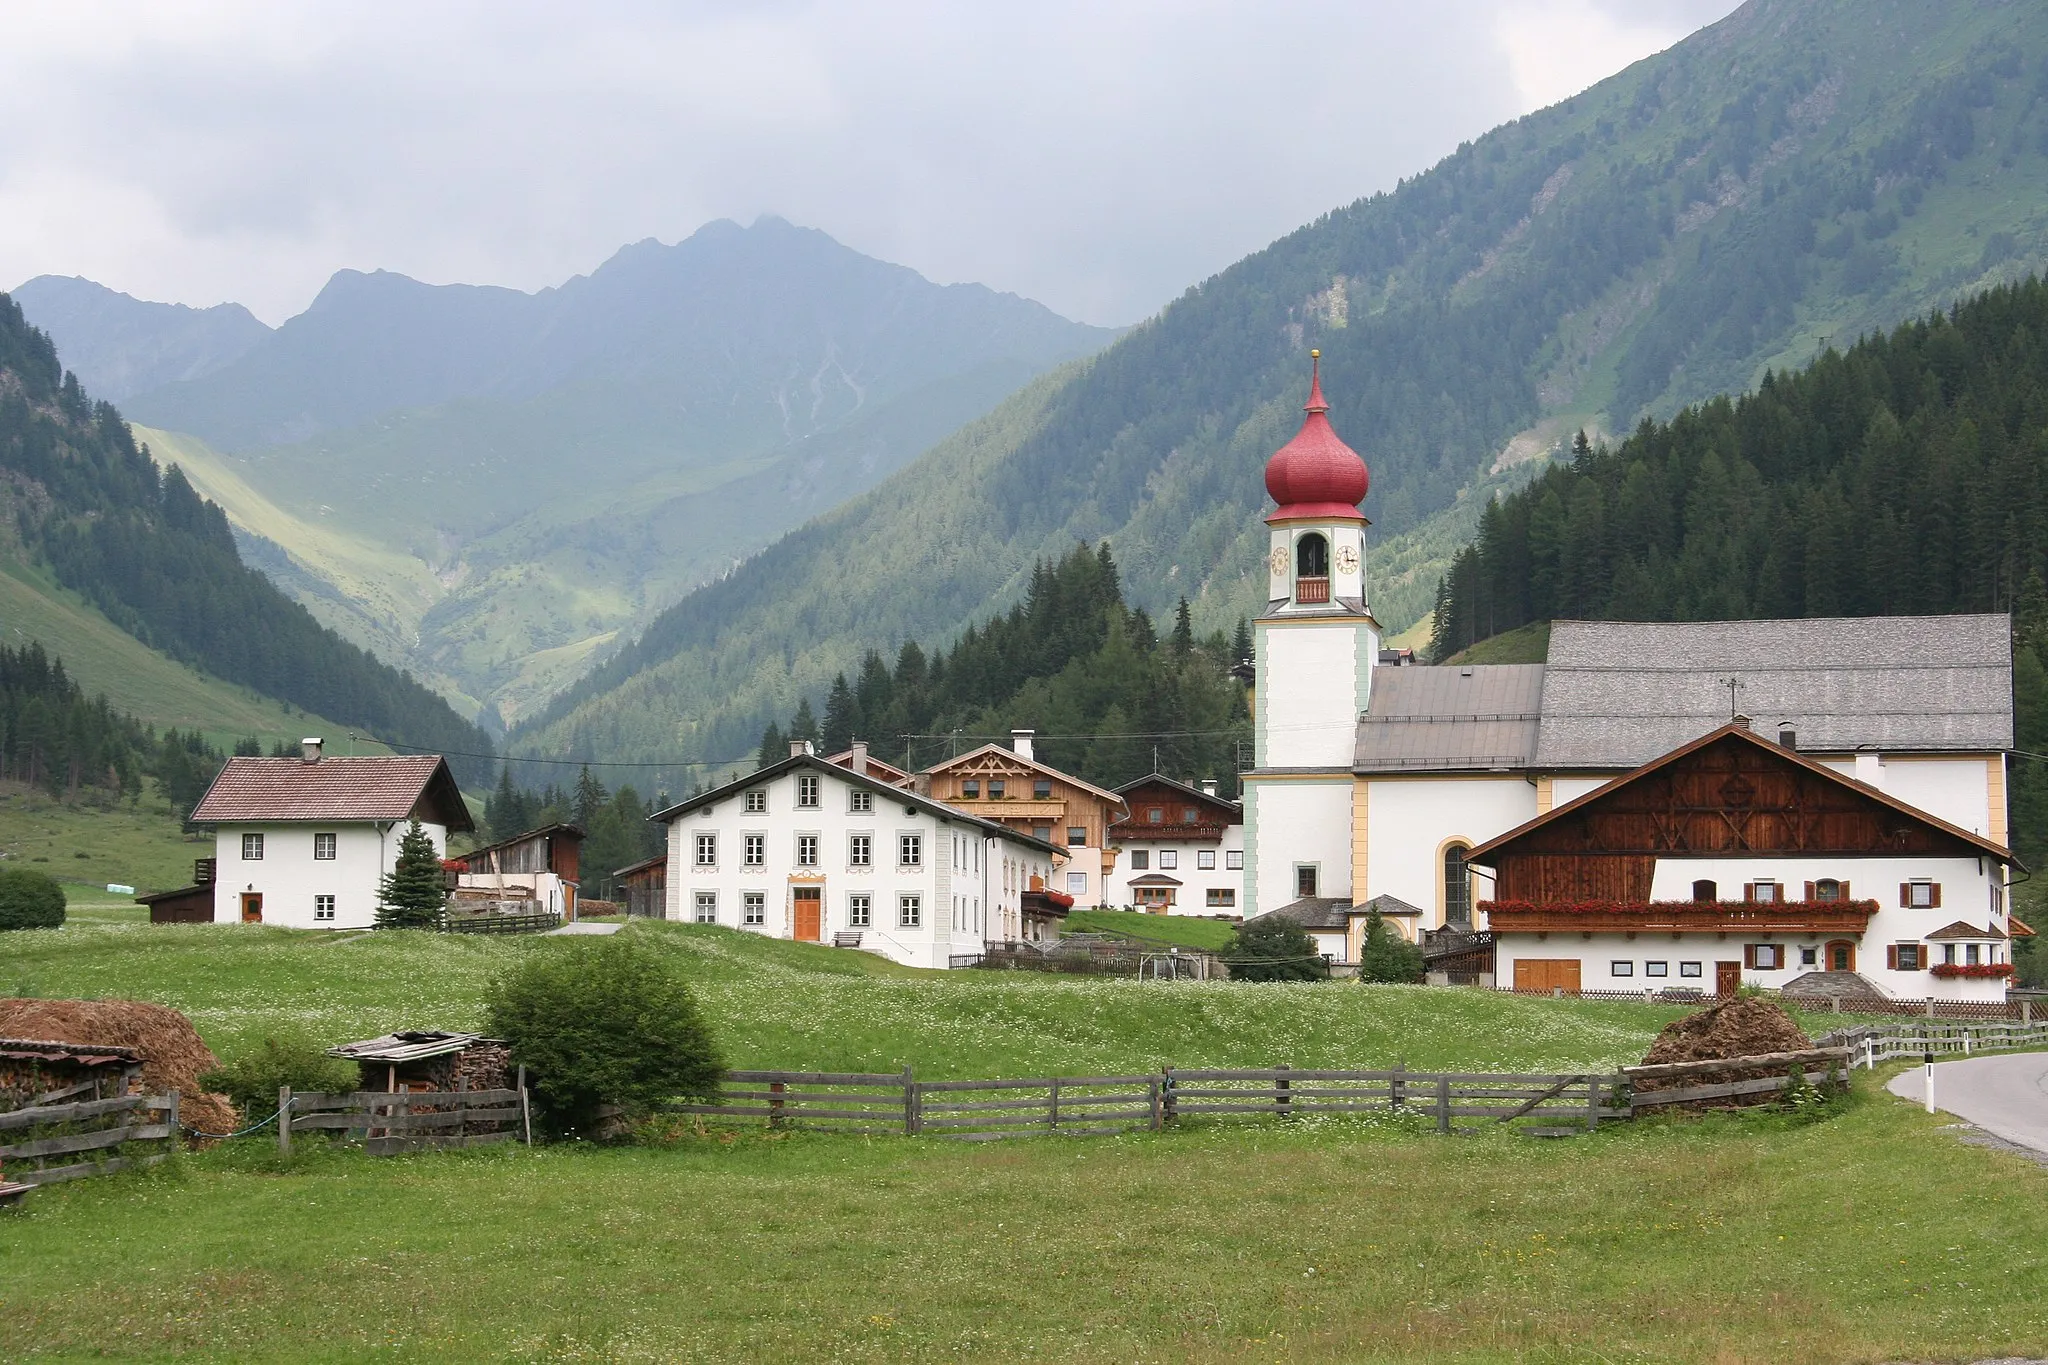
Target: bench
[844,939]
[11,1192]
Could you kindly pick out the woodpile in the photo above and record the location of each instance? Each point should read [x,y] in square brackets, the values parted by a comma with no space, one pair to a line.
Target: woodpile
[173,1057]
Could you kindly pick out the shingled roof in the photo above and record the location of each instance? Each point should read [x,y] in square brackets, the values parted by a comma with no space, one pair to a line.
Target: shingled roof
[1451,718]
[1618,693]
[379,787]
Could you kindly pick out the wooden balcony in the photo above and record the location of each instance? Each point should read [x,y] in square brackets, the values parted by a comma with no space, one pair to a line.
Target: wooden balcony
[1681,917]
[1311,590]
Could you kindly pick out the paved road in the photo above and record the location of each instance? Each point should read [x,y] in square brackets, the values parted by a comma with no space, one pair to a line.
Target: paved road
[580,927]
[2005,1095]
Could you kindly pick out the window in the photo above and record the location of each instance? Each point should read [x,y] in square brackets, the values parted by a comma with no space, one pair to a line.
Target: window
[1809,957]
[1155,895]
[910,850]
[1221,898]
[1621,968]
[1155,815]
[1457,885]
[757,802]
[1141,860]
[1077,836]
[252,848]
[860,851]
[1656,969]
[1972,954]
[1691,969]
[807,790]
[1764,892]
[323,906]
[1169,860]
[1205,859]
[707,850]
[858,914]
[860,802]
[1189,815]
[995,789]
[971,788]
[754,907]
[1041,789]
[909,911]
[1907,957]
[1233,860]
[1922,895]
[1077,883]
[1304,879]
[806,850]
[707,907]
[1705,891]
[1827,889]
[1042,832]
[1948,954]
[754,850]
[1312,556]
[323,848]
[1765,957]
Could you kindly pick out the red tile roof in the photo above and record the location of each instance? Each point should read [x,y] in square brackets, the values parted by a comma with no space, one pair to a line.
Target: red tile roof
[383,787]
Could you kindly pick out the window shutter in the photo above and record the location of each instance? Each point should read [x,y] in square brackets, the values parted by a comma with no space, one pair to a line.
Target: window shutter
[1891,957]
[1934,896]
[1749,956]
[1749,891]
[1905,894]
[1845,891]
[1809,891]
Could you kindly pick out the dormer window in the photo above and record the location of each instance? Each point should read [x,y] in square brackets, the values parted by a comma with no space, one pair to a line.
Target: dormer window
[1312,568]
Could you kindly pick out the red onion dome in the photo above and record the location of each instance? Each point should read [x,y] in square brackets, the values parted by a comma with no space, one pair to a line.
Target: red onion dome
[1316,474]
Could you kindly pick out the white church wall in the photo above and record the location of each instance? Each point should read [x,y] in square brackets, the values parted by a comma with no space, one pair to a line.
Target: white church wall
[1957,790]
[1308,691]
[1409,820]
[1298,822]
[1563,789]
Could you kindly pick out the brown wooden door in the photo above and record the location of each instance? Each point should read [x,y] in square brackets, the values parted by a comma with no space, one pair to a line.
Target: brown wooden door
[252,907]
[1841,955]
[1727,978]
[810,913]
[1546,974]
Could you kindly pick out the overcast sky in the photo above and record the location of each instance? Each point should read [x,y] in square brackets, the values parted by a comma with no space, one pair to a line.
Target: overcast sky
[1097,156]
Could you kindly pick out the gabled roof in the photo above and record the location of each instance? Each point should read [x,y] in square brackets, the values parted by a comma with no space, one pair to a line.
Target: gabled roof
[887,772]
[155,896]
[1156,879]
[409,1045]
[1618,693]
[1387,905]
[1960,930]
[1738,733]
[1234,809]
[1474,717]
[1013,756]
[644,865]
[373,787]
[881,789]
[1314,912]
[528,836]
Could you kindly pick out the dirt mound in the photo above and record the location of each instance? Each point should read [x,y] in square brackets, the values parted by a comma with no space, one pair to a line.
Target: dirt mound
[173,1057]
[1745,1026]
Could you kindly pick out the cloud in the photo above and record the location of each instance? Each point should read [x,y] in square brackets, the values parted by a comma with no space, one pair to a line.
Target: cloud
[1098,157]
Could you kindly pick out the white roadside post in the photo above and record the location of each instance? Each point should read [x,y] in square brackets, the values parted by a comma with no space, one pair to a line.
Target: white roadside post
[1929,1073]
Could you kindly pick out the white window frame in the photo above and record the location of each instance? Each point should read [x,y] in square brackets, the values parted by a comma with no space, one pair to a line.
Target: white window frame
[1233,860]
[806,850]
[754,908]
[323,908]
[807,791]
[860,911]
[860,801]
[324,847]
[252,846]
[705,908]
[860,850]
[909,911]
[1920,893]
[910,850]
[1205,860]
[755,802]
[753,850]
[1077,883]
[707,848]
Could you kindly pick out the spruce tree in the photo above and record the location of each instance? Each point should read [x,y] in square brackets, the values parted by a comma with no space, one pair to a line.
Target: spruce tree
[1385,956]
[774,748]
[590,798]
[412,894]
[1183,631]
[803,725]
[842,717]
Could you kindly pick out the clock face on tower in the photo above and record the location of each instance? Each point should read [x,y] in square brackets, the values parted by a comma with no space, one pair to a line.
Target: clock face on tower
[1347,559]
[1279,561]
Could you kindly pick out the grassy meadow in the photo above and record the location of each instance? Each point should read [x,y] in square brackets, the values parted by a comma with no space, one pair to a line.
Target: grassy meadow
[86,844]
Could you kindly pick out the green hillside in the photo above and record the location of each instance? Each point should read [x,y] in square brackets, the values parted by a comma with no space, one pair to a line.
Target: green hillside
[1799,171]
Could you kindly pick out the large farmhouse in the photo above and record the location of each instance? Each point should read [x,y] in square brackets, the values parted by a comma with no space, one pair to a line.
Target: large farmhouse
[1379,780]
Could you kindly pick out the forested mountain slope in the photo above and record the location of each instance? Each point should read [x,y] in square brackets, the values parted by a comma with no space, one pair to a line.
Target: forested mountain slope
[1805,169]
[118,345]
[79,495]
[531,474]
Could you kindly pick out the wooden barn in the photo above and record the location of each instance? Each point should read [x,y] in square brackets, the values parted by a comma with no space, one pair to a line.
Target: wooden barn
[644,887]
[532,873]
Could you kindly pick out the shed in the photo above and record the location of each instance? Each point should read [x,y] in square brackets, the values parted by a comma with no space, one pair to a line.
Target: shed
[540,868]
[186,905]
[43,1071]
[644,887]
[429,1059]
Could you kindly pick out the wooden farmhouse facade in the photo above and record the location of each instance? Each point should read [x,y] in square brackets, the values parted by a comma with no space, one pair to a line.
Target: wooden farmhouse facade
[1012,788]
[1176,850]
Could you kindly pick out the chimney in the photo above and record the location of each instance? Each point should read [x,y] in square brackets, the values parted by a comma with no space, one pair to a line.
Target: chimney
[1208,786]
[1739,719]
[801,748]
[1020,742]
[309,749]
[1870,768]
[859,761]
[1788,738]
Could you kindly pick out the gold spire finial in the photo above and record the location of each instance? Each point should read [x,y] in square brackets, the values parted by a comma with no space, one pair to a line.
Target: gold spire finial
[1315,355]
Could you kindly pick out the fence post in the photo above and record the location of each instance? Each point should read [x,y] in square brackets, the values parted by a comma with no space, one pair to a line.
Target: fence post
[171,1121]
[284,1120]
[2027,1013]
[910,1124]
[1169,1107]
[461,1109]
[1153,1087]
[776,1090]
[1443,1103]
[1283,1101]
[1930,1007]
[525,1113]
[1592,1103]
[1395,1088]
[1835,1003]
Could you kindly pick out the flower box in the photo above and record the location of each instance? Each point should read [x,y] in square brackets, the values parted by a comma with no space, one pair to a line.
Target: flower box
[1975,971]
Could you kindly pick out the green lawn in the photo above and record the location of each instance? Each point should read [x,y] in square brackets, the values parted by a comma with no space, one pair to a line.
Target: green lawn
[1870,1237]
[1188,931]
[137,844]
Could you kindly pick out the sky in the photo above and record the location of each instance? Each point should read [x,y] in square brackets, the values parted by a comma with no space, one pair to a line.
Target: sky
[1100,156]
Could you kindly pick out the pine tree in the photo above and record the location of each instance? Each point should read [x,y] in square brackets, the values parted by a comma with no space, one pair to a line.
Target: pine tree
[1241,643]
[774,748]
[1385,956]
[412,894]
[842,717]
[803,725]
[590,798]
[1183,631]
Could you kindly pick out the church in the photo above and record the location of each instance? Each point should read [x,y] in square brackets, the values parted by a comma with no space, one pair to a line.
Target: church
[1817,805]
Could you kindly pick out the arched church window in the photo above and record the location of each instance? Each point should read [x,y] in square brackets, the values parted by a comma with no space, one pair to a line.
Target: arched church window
[1312,556]
[1457,886]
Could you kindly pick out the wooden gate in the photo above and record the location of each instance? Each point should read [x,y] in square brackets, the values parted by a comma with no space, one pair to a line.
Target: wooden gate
[1545,974]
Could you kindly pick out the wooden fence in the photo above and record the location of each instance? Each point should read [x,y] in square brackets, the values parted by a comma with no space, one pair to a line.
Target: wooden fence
[1720,1084]
[498,924]
[388,1122]
[46,1143]
[1874,1043]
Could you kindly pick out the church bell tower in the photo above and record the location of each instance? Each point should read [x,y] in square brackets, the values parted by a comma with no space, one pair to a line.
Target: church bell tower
[1315,647]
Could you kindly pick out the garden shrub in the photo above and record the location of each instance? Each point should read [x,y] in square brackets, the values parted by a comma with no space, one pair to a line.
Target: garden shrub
[1387,957]
[1274,948]
[252,1080]
[611,1022]
[29,899]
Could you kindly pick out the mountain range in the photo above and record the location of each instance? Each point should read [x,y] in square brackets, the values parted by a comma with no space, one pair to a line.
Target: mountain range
[490,486]
[1803,172]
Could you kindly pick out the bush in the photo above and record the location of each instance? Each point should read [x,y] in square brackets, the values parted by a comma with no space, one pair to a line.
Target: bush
[29,899]
[1274,948]
[605,1023]
[1385,956]
[251,1081]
